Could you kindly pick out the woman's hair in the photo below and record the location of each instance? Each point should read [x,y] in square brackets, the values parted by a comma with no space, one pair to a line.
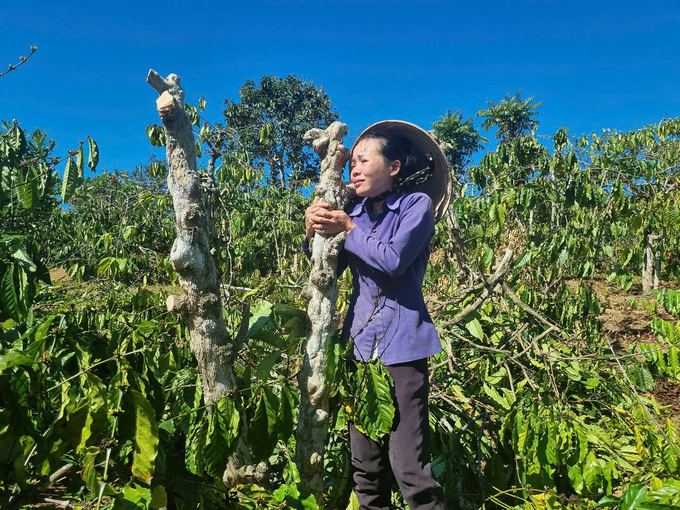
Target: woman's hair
[394,147]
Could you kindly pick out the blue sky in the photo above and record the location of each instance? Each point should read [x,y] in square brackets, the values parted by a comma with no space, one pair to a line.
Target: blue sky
[594,64]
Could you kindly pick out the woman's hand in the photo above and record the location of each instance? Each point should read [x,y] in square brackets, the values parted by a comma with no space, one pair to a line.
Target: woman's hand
[319,219]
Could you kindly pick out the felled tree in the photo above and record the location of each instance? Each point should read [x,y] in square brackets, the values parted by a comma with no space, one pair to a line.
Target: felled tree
[191,256]
[322,291]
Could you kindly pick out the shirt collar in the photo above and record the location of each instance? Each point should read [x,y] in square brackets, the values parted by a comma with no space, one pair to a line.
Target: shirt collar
[392,202]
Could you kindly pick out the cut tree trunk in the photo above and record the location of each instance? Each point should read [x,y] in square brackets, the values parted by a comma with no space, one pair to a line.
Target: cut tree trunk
[651,263]
[322,291]
[191,256]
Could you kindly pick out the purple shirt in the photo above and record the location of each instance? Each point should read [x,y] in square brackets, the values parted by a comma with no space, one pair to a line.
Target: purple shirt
[387,255]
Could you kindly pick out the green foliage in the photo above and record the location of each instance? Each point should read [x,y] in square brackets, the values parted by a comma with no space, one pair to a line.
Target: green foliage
[461,139]
[270,121]
[71,180]
[525,412]
[119,225]
[512,116]
[146,439]
[670,299]
[372,408]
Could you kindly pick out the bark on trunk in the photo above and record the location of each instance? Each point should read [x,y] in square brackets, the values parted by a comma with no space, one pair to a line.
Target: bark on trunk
[657,267]
[651,263]
[201,306]
[282,175]
[322,291]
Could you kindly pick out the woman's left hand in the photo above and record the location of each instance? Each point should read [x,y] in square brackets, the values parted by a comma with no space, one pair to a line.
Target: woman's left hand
[329,222]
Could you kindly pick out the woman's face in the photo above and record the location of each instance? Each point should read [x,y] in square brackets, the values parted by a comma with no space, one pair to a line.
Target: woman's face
[369,172]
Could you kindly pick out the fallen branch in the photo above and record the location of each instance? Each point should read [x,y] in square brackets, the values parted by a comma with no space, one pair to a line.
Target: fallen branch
[491,283]
[478,346]
[59,502]
[33,494]
[526,308]
[537,339]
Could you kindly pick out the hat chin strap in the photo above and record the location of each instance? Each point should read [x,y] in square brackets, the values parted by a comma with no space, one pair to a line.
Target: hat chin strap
[415,179]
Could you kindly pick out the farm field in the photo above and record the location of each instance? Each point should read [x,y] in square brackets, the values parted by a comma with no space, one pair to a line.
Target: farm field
[166,342]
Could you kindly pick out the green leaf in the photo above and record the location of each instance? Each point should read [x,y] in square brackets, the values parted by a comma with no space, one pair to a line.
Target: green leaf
[261,318]
[669,450]
[576,477]
[475,329]
[43,329]
[134,497]
[286,413]
[266,365]
[524,259]
[194,447]
[9,294]
[25,292]
[353,502]
[70,181]
[562,259]
[16,141]
[648,505]
[491,391]
[223,428]
[592,382]
[80,164]
[159,498]
[667,494]
[86,431]
[263,425]
[13,358]
[104,265]
[89,472]
[633,497]
[309,503]
[608,473]
[374,406]
[608,502]
[269,337]
[28,193]
[146,439]
[93,155]
[22,257]
[200,104]
[592,473]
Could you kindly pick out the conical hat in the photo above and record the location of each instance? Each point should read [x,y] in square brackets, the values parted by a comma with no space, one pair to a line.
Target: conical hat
[438,187]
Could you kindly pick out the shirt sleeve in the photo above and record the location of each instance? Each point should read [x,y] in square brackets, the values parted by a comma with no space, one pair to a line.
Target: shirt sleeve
[306,249]
[416,228]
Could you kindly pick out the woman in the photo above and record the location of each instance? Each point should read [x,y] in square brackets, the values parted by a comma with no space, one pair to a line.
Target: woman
[403,184]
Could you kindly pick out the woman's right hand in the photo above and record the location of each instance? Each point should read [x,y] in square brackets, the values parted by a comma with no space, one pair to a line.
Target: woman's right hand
[320,219]
[310,217]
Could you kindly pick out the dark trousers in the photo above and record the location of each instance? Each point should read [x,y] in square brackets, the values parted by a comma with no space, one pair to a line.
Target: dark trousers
[407,452]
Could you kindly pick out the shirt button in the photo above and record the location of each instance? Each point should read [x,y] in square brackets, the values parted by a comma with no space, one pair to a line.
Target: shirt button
[373,230]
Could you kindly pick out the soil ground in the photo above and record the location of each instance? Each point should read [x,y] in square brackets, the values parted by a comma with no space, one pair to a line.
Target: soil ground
[59,275]
[626,323]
